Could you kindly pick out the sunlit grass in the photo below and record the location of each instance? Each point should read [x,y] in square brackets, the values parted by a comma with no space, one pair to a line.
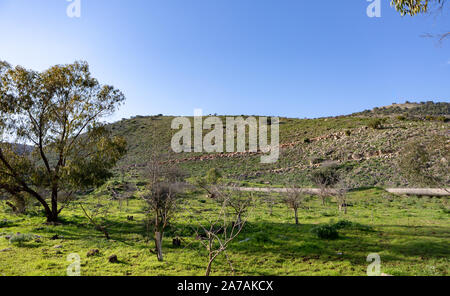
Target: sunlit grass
[411,235]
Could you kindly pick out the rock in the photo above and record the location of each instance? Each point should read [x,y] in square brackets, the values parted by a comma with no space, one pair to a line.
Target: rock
[113,259]
[385,274]
[5,250]
[93,252]
[8,237]
[58,247]
[37,241]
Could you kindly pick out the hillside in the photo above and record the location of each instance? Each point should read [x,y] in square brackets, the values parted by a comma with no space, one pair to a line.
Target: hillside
[366,155]
[412,110]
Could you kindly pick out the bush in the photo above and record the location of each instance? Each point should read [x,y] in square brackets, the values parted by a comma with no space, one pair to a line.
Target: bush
[5,223]
[375,123]
[20,238]
[401,117]
[262,237]
[325,231]
[348,133]
[343,224]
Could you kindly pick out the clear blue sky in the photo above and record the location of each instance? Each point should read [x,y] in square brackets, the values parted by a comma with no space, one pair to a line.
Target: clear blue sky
[293,58]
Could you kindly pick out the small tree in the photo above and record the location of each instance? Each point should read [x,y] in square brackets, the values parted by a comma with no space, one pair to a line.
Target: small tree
[424,162]
[96,215]
[294,200]
[376,123]
[240,202]
[217,230]
[163,195]
[341,198]
[325,178]
[209,182]
[58,113]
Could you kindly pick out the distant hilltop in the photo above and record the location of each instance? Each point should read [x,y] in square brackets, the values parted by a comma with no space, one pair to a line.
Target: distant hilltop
[422,109]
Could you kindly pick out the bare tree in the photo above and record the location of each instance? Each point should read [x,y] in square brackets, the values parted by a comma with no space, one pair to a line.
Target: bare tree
[325,178]
[209,182]
[164,188]
[96,214]
[217,230]
[238,200]
[294,200]
[124,191]
[341,191]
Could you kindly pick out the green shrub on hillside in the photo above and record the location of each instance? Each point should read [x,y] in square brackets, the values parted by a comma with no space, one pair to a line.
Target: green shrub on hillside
[375,123]
[325,231]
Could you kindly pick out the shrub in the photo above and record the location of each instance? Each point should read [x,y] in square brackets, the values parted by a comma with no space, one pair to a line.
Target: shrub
[20,238]
[325,231]
[262,237]
[401,117]
[348,133]
[343,224]
[5,223]
[376,123]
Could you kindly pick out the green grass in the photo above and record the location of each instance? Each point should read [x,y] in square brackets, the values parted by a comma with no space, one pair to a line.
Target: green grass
[410,234]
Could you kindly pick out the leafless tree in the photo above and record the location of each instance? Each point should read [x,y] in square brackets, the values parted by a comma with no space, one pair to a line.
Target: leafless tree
[294,199]
[341,191]
[96,215]
[236,199]
[325,178]
[164,188]
[218,229]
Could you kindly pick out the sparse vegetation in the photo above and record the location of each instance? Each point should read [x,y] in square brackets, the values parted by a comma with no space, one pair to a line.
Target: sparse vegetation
[149,208]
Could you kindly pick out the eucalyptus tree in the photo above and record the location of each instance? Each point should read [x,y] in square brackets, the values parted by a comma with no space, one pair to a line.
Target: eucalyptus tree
[57,114]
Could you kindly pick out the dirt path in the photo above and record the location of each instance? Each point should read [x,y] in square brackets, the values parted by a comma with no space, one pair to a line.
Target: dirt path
[398,191]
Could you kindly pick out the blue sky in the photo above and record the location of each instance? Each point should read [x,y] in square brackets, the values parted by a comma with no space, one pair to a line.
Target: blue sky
[291,58]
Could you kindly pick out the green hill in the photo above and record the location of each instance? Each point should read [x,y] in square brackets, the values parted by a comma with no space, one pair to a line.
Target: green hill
[366,155]
[426,110]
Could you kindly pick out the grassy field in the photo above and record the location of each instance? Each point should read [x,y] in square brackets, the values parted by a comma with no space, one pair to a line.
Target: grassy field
[411,234]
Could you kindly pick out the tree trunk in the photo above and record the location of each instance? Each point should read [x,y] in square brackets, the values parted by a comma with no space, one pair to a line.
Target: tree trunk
[52,215]
[296,216]
[158,245]
[208,269]
[343,206]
